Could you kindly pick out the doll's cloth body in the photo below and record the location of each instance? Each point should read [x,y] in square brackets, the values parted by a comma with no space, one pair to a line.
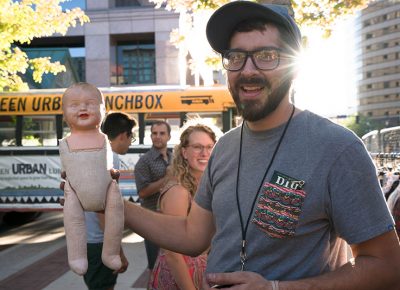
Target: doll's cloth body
[89,187]
[88,173]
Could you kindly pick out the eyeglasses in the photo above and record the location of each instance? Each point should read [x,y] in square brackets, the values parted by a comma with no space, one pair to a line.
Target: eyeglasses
[266,58]
[132,136]
[197,148]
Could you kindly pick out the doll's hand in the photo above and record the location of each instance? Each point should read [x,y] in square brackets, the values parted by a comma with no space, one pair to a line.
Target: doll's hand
[114,174]
[61,200]
[125,263]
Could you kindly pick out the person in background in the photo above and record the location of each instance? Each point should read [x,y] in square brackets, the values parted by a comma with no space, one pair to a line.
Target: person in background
[389,178]
[394,207]
[173,271]
[118,128]
[150,171]
[286,192]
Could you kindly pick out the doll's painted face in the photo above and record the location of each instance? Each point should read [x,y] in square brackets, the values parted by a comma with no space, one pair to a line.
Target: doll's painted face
[83,108]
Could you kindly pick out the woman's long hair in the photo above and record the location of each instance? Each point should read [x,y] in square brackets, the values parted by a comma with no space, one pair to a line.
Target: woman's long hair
[180,169]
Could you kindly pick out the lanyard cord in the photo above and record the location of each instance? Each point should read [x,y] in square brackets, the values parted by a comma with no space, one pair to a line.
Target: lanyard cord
[243,256]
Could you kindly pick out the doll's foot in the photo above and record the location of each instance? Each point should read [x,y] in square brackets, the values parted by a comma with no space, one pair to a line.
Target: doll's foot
[113,262]
[79,266]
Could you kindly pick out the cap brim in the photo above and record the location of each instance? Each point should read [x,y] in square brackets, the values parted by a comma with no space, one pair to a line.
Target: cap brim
[224,20]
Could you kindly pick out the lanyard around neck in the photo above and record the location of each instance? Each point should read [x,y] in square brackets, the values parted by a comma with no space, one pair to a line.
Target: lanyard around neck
[243,256]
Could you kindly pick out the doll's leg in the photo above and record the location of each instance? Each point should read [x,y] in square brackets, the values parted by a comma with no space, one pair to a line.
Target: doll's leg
[75,231]
[113,227]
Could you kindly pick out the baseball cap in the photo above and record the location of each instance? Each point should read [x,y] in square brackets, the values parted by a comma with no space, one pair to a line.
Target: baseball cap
[224,20]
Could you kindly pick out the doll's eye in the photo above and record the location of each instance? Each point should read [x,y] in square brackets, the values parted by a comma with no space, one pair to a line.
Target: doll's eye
[92,103]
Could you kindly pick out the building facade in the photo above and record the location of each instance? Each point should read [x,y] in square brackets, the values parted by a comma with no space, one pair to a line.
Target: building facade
[125,43]
[378,62]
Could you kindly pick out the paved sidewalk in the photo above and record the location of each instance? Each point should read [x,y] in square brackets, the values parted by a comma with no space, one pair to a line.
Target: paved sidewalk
[34,257]
[134,278]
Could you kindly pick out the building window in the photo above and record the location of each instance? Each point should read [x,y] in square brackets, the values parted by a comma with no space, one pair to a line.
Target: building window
[73,58]
[136,64]
[127,3]
[78,61]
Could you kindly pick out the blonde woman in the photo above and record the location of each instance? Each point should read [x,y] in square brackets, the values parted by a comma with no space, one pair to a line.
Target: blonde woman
[173,270]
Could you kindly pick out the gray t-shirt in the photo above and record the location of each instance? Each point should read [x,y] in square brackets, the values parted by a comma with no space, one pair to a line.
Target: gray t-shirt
[320,191]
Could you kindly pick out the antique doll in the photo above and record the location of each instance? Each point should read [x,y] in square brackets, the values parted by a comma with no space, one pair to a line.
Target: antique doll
[86,157]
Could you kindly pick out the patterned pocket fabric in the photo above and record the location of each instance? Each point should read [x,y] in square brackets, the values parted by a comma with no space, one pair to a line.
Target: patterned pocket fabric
[278,210]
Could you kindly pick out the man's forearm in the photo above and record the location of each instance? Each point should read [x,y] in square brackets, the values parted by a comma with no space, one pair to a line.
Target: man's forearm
[167,231]
[376,267]
[365,274]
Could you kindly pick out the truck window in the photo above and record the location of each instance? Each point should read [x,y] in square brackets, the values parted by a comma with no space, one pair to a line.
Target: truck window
[7,131]
[39,131]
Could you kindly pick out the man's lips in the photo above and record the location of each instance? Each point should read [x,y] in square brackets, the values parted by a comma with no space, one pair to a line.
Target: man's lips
[251,88]
[250,91]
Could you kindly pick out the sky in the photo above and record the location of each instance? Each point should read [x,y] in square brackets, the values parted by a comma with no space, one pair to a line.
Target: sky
[326,83]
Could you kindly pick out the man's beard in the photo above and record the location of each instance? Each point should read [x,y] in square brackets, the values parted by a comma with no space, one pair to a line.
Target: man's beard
[159,146]
[253,111]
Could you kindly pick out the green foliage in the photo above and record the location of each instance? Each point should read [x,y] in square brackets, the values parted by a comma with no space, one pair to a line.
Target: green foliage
[22,21]
[361,125]
[324,13]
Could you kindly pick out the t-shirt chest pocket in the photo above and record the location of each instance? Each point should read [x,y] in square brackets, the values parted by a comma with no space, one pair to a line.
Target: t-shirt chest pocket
[278,210]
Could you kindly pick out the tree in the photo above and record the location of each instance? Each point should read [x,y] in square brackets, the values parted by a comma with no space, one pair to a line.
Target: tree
[361,125]
[325,13]
[21,22]
[322,13]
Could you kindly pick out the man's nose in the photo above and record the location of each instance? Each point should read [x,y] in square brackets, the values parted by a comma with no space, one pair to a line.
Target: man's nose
[249,65]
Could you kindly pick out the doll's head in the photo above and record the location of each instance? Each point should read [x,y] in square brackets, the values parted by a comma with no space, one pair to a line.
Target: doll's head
[83,107]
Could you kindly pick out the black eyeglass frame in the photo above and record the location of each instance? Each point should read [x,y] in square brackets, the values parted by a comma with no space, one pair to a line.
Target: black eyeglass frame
[251,55]
[132,136]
